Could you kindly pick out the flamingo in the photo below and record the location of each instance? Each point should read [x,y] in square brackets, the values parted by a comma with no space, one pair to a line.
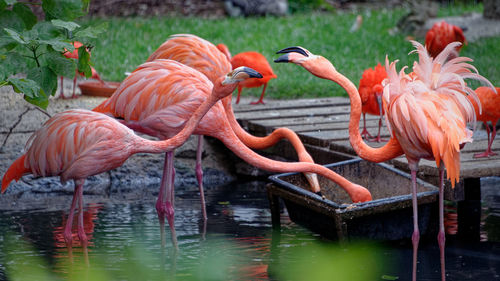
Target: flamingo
[79,143]
[202,55]
[147,108]
[370,90]
[426,113]
[440,35]
[490,105]
[256,61]
[74,55]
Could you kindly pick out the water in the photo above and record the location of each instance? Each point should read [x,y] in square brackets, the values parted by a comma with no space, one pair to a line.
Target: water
[238,244]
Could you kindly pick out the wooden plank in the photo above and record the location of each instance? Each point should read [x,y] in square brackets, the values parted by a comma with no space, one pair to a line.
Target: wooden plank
[286,104]
[306,120]
[293,112]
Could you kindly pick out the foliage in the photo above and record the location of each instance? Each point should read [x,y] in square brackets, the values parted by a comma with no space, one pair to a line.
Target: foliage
[296,6]
[35,47]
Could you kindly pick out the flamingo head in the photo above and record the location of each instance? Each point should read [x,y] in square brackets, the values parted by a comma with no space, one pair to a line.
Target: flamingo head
[317,65]
[225,85]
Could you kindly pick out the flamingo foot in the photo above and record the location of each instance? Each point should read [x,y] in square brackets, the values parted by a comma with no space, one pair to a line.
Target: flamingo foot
[365,134]
[377,139]
[258,102]
[485,154]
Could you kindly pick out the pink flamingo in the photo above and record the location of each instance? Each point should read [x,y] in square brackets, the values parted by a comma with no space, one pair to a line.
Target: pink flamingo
[203,56]
[146,107]
[74,55]
[427,114]
[79,143]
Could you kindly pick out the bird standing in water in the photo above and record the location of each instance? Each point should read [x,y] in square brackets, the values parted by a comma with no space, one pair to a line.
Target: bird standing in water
[427,113]
[370,90]
[79,143]
[490,111]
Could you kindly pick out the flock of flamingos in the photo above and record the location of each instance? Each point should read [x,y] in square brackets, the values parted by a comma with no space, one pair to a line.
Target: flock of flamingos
[185,88]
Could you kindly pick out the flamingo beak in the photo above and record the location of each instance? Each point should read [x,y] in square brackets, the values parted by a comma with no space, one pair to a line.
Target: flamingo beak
[240,74]
[286,57]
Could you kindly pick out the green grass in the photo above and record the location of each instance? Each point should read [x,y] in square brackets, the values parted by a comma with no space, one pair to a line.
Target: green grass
[129,41]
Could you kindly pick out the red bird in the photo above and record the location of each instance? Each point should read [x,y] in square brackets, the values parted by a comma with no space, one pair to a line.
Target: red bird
[440,35]
[490,111]
[253,60]
[370,91]
[74,55]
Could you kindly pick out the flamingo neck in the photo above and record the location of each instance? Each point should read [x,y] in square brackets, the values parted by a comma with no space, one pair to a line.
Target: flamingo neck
[390,150]
[232,142]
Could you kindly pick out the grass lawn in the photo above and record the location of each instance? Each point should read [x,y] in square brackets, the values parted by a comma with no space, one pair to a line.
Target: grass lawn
[129,41]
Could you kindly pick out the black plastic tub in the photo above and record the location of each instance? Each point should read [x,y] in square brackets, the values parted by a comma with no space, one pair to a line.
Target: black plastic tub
[387,217]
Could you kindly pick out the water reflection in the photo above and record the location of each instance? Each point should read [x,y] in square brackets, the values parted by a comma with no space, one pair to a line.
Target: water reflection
[239,244]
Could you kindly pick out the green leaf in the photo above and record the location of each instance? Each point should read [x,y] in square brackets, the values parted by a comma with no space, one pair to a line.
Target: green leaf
[84,62]
[45,77]
[62,9]
[26,86]
[7,42]
[92,31]
[46,30]
[9,19]
[12,63]
[41,100]
[69,25]
[58,44]
[14,35]
[61,65]
[25,13]
[3,5]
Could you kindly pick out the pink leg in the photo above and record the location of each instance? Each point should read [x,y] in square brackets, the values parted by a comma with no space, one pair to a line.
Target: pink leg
[239,93]
[62,89]
[199,176]
[81,230]
[415,238]
[68,237]
[74,84]
[441,237]
[365,133]
[261,99]
[164,206]
[490,142]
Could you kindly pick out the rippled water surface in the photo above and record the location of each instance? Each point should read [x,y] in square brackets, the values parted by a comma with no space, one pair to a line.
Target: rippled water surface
[238,244]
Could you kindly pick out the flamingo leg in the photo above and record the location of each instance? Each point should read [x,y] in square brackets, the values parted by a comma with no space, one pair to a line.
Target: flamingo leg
[491,137]
[199,176]
[239,93]
[415,238]
[261,99]
[378,138]
[365,133]
[68,237]
[62,88]
[441,236]
[161,198]
[81,230]
[169,202]
[74,84]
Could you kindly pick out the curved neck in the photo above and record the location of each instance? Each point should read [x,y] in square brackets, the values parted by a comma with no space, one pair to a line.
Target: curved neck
[390,150]
[231,141]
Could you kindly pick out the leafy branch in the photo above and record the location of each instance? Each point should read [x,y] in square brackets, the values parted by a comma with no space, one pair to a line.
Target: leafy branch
[31,50]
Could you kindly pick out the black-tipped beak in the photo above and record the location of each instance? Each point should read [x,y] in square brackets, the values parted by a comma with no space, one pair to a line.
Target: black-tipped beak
[293,49]
[252,73]
[283,58]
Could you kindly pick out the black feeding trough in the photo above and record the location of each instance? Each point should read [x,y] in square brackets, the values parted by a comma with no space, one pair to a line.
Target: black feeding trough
[387,217]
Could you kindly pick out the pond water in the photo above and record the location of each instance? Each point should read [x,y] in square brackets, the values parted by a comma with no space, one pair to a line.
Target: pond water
[239,244]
